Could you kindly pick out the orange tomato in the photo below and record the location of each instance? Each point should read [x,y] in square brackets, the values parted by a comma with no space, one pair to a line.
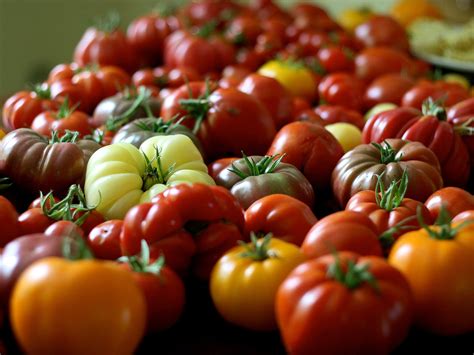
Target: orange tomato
[407,11]
[440,269]
[80,307]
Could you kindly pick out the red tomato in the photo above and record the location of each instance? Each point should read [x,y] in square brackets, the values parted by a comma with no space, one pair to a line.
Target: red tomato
[333,114]
[344,304]
[464,216]
[311,41]
[284,216]
[336,59]
[21,109]
[382,30]
[62,120]
[373,62]
[146,35]
[311,149]
[249,58]
[37,202]
[64,228]
[272,94]
[232,76]
[93,219]
[200,13]
[448,93]
[65,88]
[342,89]
[244,30]
[104,240]
[309,115]
[454,199]
[220,164]
[8,221]
[342,231]
[268,44]
[300,104]
[461,117]
[387,88]
[34,221]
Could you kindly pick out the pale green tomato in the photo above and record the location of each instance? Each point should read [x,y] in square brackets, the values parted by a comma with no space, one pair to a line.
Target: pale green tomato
[348,135]
[379,108]
[120,176]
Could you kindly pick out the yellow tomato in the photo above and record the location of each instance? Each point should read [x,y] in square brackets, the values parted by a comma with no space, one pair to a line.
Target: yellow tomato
[351,18]
[457,78]
[348,135]
[119,176]
[245,280]
[441,275]
[379,108]
[407,11]
[78,307]
[294,76]
[2,133]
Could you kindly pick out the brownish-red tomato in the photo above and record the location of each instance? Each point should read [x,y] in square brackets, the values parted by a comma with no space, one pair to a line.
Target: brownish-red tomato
[382,30]
[21,109]
[312,149]
[336,59]
[344,304]
[449,94]
[9,222]
[342,89]
[146,35]
[64,228]
[373,62]
[387,88]
[342,231]
[333,114]
[217,166]
[283,216]
[104,239]
[272,94]
[454,200]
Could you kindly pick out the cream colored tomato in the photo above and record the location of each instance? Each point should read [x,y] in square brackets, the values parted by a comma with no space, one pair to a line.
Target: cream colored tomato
[348,135]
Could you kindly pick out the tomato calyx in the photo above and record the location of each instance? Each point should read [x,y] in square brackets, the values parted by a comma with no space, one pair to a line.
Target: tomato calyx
[434,108]
[108,23]
[207,30]
[386,239]
[68,137]
[443,227]
[140,101]
[65,110]
[74,248]
[392,197]
[97,136]
[42,91]
[67,209]
[154,171]
[158,125]
[465,128]
[197,107]
[315,66]
[257,249]
[142,263]
[267,165]
[387,153]
[354,276]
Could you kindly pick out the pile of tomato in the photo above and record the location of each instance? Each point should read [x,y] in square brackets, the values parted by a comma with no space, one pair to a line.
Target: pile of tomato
[313,175]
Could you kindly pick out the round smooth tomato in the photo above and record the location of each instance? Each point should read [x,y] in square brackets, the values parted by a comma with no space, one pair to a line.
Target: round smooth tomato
[254,272]
[9,222]
[453,199]
[464,216]
[104,239]
[448,94]
[283,216]
[217,166]
[387,88]
[69,295]
[382,30]
[348,135]
[344,304]
[64,228]
[62,120]
[335,114]
[336,59]
[443,280]
[244,30]
[34,220]
[342,89]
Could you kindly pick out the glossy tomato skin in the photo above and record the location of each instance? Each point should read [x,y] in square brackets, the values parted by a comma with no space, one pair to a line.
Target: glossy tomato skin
[244,30]
[88,285]
[311,149]
[443,287]
[285,179]
[256,283]
[373,62]
[387,88]
[460,115]
[342,89]
[454,199]
[64,228]
[272,94]
[285,217]
[366,203]
[336,59]
[467,215]
[333,114]
[314,310]
[463,108]
[358,170]
[35,164]
[9,222]
[164,295]
[382,30]
[104,48]
[21,109]
[449,93]
[33,220]
[104,239]
[342,231]
[48,121]
[218,165]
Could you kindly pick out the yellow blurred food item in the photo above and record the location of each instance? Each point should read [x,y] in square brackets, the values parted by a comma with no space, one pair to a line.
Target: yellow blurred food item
[407,11]
[457,78]
[351,18]
[348,135]
[2,133]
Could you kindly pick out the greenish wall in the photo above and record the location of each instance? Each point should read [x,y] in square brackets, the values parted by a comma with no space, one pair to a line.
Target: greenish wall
[37,34]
